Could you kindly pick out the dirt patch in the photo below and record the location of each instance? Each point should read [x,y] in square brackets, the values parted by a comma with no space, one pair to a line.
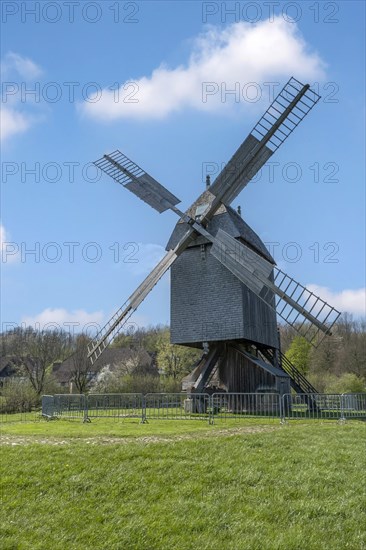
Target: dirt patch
[16,440]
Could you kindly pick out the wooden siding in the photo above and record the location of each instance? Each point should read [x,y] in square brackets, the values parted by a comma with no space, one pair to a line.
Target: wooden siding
[208,303]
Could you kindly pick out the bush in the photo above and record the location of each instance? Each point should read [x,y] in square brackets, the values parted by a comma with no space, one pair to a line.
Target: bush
[169,384]
[18,395]
[320,381]
[347,383]
[52,386]
[140,384]
[112,382]
[330,383]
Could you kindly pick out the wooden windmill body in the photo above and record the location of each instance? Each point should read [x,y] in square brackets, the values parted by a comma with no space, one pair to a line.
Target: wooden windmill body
[226,291]
[211,309]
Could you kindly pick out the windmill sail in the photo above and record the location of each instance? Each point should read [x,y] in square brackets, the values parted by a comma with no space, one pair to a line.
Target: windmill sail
[135,179]
[295,303]
[120,318]
[285,113]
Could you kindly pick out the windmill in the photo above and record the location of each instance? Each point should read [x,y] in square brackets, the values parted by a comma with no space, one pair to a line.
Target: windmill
[226,291]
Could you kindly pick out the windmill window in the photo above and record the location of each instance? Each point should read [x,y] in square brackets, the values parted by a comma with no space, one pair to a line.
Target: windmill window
[200,210]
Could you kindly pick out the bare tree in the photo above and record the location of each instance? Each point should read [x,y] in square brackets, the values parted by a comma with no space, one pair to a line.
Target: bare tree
[137,362]
[35,352]
[141,338]
[80,366]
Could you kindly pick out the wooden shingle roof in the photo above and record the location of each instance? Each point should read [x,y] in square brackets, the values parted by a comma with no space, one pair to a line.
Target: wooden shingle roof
[230,221]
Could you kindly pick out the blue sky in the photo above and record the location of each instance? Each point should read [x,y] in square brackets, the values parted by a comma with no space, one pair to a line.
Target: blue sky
[133,76]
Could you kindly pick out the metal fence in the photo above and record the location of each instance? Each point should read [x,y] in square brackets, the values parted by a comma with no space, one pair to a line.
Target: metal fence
[48,406]
[324,406]
[20,416]
[353,405]
[115,405]
[226,406]
[85,407]
[18,401]
[202,406]
[177,406]
[69,406]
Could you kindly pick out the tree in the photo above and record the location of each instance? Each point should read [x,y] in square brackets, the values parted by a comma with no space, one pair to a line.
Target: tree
[128,371]
[146,338]
[137,362]
[352,357]
[323,358]
[36,351]
[287,334]
[80,366]
[299,353]
[347,383]
[174,360]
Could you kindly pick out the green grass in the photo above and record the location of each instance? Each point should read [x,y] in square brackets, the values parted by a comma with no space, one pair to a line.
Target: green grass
[183,485]
[128,428]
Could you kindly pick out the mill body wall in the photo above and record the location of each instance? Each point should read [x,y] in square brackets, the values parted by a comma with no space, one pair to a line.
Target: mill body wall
[208,303]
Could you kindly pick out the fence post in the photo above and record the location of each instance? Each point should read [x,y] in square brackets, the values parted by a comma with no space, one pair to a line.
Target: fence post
[210,410]
[343,416]
[282,420]
[143,410]
[86,417]
[286,404]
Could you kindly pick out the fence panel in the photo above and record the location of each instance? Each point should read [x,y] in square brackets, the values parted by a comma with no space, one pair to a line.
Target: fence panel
[177,406]
[115,405]
[324,406]
[353,405]
[20,416]
[70,406]
[18,402]
[48,406]
[226,406]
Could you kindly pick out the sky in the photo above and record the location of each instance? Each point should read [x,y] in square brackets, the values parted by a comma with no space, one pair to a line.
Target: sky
[176,86]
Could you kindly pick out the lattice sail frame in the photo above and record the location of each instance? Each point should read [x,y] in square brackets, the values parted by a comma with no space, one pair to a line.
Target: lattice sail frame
[281,118]
[127,173]
[305,298]
[294,303]
[278,107]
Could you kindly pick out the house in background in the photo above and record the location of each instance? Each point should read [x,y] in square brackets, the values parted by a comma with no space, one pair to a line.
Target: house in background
[7,368]
[127,360]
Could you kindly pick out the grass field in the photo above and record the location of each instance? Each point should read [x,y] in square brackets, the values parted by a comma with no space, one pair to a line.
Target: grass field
[183,485]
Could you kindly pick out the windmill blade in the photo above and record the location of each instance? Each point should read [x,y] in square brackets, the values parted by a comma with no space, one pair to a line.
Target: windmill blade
[240,169]
[242,261]
[294,302]
[135,179]
[309,307]
[285,113]
[120,318]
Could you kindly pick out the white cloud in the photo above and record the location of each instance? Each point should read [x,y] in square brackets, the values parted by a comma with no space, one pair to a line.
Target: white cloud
[352,301]
[23,66]
[242,52]
[76,320]
[9,250]
[13,119]
[13,122]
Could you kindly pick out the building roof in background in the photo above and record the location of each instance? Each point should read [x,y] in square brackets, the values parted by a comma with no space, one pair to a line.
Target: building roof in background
[110,357]
[7,367]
